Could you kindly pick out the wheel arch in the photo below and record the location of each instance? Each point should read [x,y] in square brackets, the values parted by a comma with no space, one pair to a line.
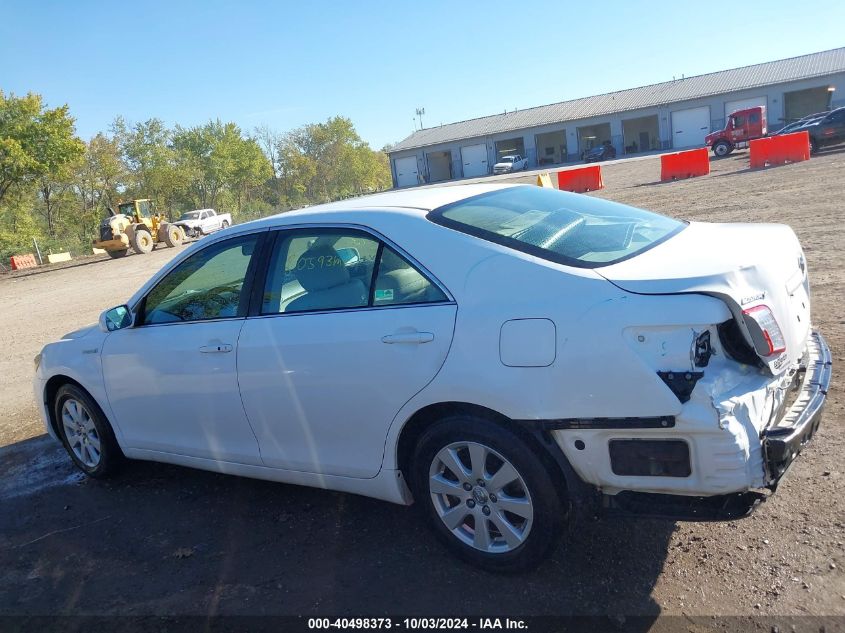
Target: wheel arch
[51,388]
[544,447]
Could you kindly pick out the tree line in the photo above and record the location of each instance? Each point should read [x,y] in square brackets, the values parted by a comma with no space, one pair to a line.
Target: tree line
[56,187]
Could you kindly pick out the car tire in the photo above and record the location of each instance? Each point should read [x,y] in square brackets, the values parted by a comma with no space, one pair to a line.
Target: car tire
[814,146]
[224,224]
[142,241]
[172,234]
[722,149]
[85,432]
[452,503]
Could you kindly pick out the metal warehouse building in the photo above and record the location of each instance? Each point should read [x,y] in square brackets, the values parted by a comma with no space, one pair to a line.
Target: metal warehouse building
[670,115]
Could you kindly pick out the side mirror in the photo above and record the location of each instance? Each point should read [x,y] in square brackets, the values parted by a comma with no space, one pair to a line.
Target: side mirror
[116,319]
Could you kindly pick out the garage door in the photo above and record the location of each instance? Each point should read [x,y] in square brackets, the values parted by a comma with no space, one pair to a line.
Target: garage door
[406,171]
[742,104]
[474,159]
[689,127]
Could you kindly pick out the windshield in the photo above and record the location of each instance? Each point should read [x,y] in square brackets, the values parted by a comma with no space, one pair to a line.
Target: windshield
[127,208]
[190,215]
[506,159]
[566,228]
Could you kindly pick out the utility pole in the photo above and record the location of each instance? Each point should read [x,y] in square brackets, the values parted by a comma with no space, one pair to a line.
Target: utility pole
[420,112]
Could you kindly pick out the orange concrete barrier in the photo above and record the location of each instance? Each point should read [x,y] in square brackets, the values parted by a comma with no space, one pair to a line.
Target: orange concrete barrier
[23,261]
[694,162]
[580,180]
[779,150]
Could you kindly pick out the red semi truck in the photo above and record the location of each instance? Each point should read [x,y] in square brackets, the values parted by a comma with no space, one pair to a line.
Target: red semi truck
[741,126]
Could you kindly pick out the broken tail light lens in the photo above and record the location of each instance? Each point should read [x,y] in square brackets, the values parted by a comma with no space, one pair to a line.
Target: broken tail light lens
[769,338]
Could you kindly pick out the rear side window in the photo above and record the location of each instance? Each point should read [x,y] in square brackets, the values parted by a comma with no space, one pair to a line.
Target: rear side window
[399,283]
[562,227]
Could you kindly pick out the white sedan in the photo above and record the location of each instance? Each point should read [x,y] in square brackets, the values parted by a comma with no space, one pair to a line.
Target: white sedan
[510,357]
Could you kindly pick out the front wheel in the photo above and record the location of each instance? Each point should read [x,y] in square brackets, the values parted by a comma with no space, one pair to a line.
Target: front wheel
[486,494]
[142,241]
[814,146]
[172,235]
[85,432]
[722,149]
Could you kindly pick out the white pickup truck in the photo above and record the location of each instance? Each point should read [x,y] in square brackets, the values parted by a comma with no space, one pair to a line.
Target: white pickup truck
[507,164]
[203,221]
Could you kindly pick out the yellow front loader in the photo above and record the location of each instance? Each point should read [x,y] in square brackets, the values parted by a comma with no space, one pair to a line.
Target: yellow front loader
[138,226]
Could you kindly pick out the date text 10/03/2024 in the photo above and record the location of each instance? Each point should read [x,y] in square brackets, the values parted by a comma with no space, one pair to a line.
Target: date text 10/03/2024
[417,623]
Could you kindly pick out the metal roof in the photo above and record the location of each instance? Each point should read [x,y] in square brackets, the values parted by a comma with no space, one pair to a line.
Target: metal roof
[794,68]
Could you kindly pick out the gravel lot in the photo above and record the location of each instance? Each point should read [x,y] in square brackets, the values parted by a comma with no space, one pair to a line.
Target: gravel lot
[164,540]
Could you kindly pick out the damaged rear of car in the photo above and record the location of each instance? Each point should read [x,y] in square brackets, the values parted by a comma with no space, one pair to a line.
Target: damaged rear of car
[763,371]
[693,378]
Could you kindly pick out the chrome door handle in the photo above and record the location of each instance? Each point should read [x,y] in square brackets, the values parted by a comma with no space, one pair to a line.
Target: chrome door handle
[220,348]
[408,338]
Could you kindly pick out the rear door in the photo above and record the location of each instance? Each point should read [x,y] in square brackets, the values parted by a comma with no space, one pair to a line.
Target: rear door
[347,331]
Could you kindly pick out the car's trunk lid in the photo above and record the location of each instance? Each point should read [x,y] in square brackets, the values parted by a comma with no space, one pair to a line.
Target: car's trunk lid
[743,264]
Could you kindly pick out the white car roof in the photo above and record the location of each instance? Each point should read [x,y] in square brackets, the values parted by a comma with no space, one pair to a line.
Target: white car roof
[417,201]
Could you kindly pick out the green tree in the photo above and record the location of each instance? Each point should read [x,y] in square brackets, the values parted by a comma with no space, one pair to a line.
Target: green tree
[34,141]
[329,161]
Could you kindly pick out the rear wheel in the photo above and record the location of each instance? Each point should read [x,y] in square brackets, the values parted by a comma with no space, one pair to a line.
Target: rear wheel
[722,149]
[123,252]
[225,224]
[85,432]
[172,235]
[142,241]
[486,494]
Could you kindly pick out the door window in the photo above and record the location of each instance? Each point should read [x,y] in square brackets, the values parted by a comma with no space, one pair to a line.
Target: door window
[319,270]
[207,285]
[334,269]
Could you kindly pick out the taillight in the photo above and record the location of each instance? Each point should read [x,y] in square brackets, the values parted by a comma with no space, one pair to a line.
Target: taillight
[772,338]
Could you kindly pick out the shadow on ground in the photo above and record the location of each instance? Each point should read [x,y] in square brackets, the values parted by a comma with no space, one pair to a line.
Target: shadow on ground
[166,540]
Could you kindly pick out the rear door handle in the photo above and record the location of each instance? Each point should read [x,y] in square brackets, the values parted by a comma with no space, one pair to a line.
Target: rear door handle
[220,348]
[408,338]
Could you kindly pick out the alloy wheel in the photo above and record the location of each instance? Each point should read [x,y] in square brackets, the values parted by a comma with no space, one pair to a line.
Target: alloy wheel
[81,434]
[480,497]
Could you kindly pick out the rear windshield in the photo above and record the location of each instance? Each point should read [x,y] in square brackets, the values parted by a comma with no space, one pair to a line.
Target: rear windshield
[562,227]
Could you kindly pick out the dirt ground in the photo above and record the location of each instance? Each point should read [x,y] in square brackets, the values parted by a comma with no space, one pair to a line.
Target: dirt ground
[164,540]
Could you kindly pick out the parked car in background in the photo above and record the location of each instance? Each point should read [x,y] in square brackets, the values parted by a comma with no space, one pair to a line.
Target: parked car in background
[793,127]
[605,151]
[828,130]
[203,221]
[508,164]
[509,357]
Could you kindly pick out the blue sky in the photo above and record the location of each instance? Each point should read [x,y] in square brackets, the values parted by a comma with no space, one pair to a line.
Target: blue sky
[286,64]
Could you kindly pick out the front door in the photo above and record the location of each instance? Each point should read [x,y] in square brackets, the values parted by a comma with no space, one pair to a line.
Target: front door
[349,331]
[171,378]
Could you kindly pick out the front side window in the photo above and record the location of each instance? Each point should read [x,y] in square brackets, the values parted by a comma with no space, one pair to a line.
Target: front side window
[336,269]
[207,285]
[570,229]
